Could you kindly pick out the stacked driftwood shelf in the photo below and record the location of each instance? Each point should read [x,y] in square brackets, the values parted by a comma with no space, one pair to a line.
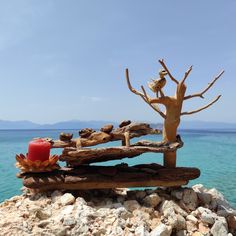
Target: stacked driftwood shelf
[79,174]
[82,170]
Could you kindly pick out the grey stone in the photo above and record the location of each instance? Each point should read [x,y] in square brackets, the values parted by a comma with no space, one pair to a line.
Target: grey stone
[43,214]
[202,194]
[43,223]
[140,194]
[181,233]
[131,205]
[177,193]
[190,199]
[208,218]
[152,200]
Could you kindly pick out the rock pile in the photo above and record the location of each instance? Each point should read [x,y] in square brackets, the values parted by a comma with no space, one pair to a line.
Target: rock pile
[192,211]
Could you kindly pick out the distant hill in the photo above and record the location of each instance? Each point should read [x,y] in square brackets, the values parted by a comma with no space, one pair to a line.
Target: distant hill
[24,124]
[207,125]
[76,124]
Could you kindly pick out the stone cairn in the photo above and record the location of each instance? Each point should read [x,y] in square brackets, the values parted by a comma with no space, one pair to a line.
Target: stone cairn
[78,154]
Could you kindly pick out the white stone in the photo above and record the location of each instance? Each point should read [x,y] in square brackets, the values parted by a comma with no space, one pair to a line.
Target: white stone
[219,229]
[171,204]
[192,219]
[141,231]
[67,199]
[152,200]
[69,221]
[67,210]
[131,205]
[161,230]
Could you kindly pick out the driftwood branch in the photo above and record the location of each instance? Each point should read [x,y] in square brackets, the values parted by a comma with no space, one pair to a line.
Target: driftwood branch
[200,94]
[134,129]
[168,72]
[202,108]
[143,95]
[75,157]
[186,74]
[95,177]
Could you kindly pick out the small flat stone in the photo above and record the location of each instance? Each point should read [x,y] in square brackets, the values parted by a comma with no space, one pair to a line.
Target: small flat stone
[107,128]
[124,123]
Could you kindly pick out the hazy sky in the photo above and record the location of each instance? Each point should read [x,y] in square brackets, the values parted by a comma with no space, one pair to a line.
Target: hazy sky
[63,60]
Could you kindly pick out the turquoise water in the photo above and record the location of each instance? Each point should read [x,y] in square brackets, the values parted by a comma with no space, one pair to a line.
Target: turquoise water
[212,152]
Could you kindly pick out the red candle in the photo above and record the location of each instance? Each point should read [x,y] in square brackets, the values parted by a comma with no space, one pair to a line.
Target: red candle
[39,150]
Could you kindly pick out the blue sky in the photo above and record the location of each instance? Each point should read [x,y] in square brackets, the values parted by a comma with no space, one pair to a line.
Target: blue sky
[64,60]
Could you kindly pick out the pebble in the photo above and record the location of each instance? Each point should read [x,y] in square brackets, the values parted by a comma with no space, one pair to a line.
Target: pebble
[131,205]
[67,199]
[152,200]
[161,230]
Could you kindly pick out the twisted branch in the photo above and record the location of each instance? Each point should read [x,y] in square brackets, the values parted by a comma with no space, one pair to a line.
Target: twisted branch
[143,95]
[202,108]
[206,89]
[168,72]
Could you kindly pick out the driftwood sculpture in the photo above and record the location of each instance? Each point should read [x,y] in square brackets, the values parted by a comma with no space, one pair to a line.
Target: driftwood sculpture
[79,153]
[173,105]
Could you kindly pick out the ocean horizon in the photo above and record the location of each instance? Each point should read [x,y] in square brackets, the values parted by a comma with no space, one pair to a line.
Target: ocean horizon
[212,151]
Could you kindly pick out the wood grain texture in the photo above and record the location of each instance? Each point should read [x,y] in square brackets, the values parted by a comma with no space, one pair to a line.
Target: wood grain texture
[75,157]
[95,177]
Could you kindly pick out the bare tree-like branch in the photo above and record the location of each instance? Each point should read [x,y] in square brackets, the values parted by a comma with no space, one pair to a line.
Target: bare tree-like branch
[206,89]
[143,95]
[168,72]
[186,74]
[173,105]
[202,108]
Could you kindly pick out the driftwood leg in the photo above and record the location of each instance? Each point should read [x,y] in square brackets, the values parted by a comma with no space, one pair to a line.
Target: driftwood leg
[170,159]
[127,139]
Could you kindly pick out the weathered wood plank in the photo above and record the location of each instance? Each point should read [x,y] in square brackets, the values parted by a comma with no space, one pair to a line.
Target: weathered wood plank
[74,156]
[94,177]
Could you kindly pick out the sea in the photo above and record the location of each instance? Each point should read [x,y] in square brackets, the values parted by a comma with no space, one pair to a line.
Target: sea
[212,151]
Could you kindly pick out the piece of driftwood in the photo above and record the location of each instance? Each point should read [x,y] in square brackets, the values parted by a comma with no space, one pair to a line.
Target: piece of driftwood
[95,177]
[74,156]
[173,104]
[94,138]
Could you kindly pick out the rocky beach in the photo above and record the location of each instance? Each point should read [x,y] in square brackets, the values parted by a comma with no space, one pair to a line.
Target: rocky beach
[182,211]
